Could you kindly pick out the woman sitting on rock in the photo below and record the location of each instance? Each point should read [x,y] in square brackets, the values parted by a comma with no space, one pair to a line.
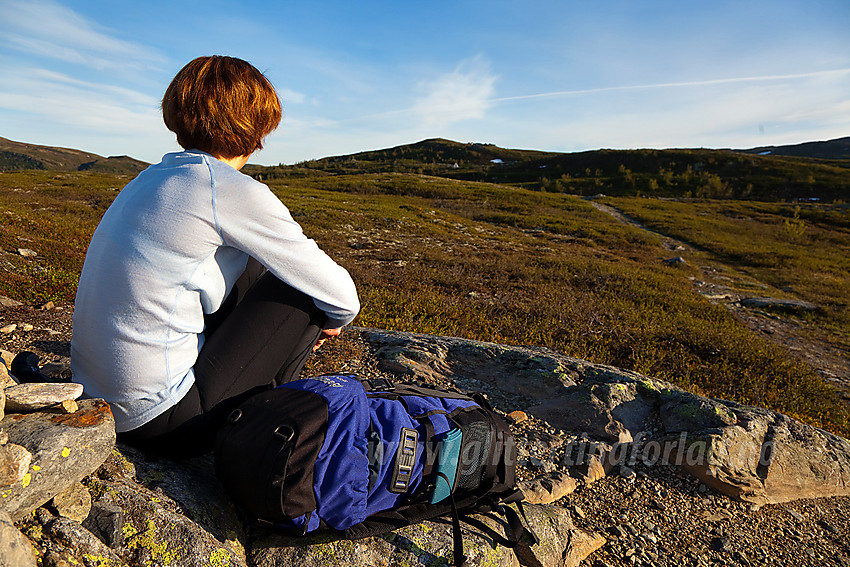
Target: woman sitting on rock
[198,287]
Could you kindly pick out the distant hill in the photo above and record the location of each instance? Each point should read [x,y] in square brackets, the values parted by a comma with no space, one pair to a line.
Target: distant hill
[15,156]
[830,149]
[705,173]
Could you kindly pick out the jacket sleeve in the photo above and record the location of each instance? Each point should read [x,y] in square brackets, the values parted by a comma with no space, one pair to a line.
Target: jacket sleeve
[251,218]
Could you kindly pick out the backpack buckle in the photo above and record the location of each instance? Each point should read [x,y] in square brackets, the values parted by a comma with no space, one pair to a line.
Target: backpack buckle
[283,433]
[405,459]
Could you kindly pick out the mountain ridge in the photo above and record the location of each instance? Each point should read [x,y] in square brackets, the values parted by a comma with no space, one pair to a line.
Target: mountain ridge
[16,156]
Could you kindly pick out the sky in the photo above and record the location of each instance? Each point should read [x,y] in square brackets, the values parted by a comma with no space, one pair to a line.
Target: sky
[557,75]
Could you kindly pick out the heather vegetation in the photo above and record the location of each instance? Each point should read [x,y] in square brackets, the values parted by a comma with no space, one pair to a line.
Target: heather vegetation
[505,264]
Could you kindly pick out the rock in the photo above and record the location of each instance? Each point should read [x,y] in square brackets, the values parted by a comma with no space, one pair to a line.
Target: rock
[80,544]
[547,488]
[14,463]
[47,306]
[7,329]
[64,447]
[73,503]
[7,358]
[9,302]
[517,417]
[27,327]
[627,473]
[675,261]
[767,458]
[6,380]
[561,544]
[533,373]
[681,411]
[106,522]
[27,253]
[2,404]
[4,437]
[15,549]
[613,406]
[36,396]
[778,304]
[165,512]
[589,471]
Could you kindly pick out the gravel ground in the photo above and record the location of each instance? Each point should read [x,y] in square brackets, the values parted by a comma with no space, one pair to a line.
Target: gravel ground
[649,515]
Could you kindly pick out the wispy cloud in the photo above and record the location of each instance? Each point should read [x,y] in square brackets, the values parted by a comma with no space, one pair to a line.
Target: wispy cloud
[709,82]
[64,100]
[462,94]
[49,29]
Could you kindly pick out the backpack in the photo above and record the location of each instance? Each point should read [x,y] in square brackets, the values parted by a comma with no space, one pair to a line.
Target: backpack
[359,458]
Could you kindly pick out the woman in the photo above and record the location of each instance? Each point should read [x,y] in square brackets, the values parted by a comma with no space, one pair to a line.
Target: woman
[198,287]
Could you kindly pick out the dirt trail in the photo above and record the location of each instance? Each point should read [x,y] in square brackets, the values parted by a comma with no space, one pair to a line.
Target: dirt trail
[720,285]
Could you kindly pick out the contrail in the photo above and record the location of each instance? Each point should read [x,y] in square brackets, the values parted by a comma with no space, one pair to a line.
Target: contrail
[763,78]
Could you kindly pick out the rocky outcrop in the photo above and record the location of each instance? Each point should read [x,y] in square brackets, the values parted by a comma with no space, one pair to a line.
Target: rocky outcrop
[750,454]
[576,423]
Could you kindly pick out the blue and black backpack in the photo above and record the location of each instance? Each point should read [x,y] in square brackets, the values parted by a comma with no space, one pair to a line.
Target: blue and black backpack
[359,458]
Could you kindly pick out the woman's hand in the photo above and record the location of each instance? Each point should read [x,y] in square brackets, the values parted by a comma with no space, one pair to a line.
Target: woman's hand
[325,335]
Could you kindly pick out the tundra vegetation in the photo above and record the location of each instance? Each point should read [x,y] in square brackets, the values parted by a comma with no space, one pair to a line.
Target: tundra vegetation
[512,263]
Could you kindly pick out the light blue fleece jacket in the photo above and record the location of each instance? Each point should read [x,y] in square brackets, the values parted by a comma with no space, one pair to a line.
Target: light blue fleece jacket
[167,251]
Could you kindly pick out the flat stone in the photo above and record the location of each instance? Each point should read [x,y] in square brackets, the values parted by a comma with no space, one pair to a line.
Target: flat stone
[73,503]
[548,488]
[517,417]
[14,463]
[64,447]
[9,302]
[27,253]
[780,304]
[36,396]
[15,549]
[7,329]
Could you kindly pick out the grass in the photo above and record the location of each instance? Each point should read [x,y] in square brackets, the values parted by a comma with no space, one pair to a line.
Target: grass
[486,262]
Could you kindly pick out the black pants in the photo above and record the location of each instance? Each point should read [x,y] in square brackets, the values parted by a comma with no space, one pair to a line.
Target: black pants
[258,339]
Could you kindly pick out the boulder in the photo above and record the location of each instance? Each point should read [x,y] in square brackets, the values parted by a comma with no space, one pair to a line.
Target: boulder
[429,543]
[767,458]
[15,549]
[36,396]
[64,447]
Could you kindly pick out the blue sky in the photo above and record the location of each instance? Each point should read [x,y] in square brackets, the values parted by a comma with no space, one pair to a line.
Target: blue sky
[553,75]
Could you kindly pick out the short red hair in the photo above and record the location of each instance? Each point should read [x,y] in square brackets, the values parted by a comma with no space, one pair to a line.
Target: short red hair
[221,105]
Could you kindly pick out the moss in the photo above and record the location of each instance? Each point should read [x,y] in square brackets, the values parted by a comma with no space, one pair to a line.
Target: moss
[149,540]
[219,558]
